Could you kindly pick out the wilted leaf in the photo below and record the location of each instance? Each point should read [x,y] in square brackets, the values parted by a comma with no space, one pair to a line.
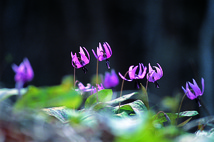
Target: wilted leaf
[185,122]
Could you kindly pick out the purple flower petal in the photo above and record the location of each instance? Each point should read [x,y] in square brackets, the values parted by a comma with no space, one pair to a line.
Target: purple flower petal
[124,77]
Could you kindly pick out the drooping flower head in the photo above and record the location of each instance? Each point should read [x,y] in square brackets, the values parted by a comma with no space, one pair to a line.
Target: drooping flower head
[24,72]
[193,92]
[83,88]
[111,79]
[80,62]
[132,73]
[103,53]
[153,76]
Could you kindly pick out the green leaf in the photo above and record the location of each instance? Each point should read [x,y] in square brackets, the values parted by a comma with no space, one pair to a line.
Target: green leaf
[104,95]
[136,107]
[187,113]
[121,99]
[55,96]
[173,116]
[145,97]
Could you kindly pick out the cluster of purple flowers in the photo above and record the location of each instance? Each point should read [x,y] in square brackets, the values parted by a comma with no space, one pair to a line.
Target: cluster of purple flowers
[103,53]
[24,72]
[152,75]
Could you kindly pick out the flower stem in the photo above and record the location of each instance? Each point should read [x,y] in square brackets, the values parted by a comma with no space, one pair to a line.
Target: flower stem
[97,79]
[74,78]
[121,91]
[19,86]
[180,107]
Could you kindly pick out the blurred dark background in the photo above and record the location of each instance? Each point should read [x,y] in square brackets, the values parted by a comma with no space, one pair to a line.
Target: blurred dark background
[176,34]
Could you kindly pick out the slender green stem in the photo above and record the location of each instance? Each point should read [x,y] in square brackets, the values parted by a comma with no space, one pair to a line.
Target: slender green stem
[180,108]
[122,90]
[74,78]
[97,79]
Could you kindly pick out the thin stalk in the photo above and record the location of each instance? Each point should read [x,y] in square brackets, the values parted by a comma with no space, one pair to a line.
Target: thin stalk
[19,86]
[122,90]
[97,79]
[180,108]
[74,78]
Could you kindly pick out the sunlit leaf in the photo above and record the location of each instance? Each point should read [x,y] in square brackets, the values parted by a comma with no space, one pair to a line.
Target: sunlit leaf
[121,99]
[54,96]
[104,95]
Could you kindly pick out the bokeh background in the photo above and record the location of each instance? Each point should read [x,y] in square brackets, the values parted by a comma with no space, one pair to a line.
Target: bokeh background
[176,34]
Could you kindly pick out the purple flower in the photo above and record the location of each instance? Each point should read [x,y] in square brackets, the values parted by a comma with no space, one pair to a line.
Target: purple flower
[94,89]
[133,75]
[111,79]
[83,88]
[103,54]
[195,91]
[82,61]
[153,76]
[24,72]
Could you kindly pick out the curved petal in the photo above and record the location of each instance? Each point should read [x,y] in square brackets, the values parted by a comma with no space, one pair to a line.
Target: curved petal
[190,95]
[107,49]
[184,89]
[100,52]
[195,88]
[15,67]
[142,75]
[123,77]
[140,70]
[87,53]
[202,83]
[76,62]
[150,68]
[150,76]
[132,72]
[160,71]
[84,59]
[29,70]
[94,53]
